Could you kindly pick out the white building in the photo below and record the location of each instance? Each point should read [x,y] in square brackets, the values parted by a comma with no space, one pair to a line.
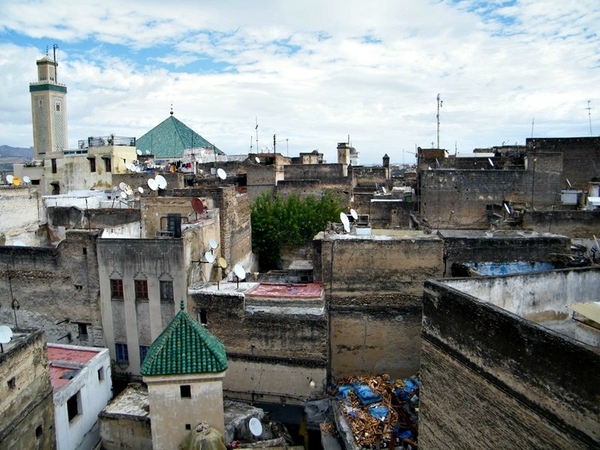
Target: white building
[81,381]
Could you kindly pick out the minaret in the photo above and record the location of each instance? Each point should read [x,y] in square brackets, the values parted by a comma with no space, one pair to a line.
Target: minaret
[48,110]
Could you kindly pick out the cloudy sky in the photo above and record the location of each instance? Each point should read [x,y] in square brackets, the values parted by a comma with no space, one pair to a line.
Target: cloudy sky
[311,72]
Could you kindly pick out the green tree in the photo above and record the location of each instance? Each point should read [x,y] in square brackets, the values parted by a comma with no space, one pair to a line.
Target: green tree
[291,221]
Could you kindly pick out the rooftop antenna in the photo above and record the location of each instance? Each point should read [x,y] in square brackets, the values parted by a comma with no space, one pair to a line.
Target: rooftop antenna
[440,102]
[274,143]
[532,123]
[251,139]
[287,147]
[589,108]
[54,47]
[256,129]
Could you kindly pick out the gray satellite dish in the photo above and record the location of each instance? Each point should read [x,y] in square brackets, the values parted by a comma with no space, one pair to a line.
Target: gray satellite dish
[124,195]
[221,174]
[354,214]
[9,179]
[26,179]
[161,181]
[255,427]
[345,221]
[141,190]
[152,184]
[213,244]
[122,185]
[138,151]
[239,272]
[6,334]
[209,257]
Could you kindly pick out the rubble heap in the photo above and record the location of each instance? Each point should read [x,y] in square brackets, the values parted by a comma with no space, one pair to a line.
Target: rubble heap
[381,412]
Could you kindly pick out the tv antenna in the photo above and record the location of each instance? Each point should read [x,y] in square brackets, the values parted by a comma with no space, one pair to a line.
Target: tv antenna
[440,102]
[589,108]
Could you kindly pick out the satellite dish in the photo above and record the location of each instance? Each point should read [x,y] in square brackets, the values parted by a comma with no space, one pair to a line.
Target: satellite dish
[5,334]
[130,166]
[222,263]
[353,214]
[491,162]
[141,190]
[507,208]
[26,179]
[209,257]
[9,179]
[122,185]
[384,190]
[128,190]
[221,174]
[147,152]
[345,221]
[152,184]
[239,272]
[255,427]
[124,195]
[198,205]
[16,181]
[138,151]
[161,181]
[257,159]
[213,244]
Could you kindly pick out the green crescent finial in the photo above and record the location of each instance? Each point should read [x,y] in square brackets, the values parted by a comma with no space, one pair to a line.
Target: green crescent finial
[181,305]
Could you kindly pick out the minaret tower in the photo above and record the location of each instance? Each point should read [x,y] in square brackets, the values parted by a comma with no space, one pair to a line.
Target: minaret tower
[48,109]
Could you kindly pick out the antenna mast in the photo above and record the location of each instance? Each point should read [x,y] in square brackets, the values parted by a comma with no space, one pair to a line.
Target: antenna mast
[256,128]
[439,105]
[589,108]
[532,123]
[274,144]
[54,47]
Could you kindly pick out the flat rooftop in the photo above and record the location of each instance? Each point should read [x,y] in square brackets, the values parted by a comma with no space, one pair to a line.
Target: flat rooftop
[67,361]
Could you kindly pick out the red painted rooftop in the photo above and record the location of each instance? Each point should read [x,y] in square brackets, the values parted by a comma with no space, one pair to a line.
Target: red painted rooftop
[75,356]
[268,290]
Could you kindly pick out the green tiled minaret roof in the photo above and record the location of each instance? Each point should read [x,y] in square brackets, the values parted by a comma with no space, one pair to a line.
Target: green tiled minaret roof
[184,347]
[170,138]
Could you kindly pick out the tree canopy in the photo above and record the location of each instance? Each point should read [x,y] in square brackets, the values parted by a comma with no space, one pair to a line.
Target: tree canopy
[292,221]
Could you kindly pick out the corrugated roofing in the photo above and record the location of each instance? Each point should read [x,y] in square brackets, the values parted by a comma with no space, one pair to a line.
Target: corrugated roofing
[184,347]
[170,138]
[591,310]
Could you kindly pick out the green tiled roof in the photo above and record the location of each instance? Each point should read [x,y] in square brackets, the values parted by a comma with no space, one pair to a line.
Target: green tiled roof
[184,347]
[170,138]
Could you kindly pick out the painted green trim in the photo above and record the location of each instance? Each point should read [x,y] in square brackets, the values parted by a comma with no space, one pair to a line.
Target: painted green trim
[47,87]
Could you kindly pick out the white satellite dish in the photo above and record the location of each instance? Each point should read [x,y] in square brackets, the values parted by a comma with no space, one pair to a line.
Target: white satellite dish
[6,334]
[138,151]
[122,185]
[209,257]
[141,190]
[221,174]
[147,152]
[255,427]
[345,221]
[130,166]
[384,190]
[128,190]
[239,272]
[257,159]
[9,179]
[161,181]
[213,244]
[491,162]
[26,179]
[152,184]
[354,214]
[124,195]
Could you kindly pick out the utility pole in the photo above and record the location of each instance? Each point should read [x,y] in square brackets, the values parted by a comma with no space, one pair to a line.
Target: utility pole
[439,105]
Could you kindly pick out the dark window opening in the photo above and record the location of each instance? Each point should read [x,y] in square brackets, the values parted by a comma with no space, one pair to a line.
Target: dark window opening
[53,162]
[186,391]
[122,353]
[73,407]
[141,289]
[166,291]
[143,353]
[188,426]
[92,164]
[82,329]
[39,431]
[107,164]
[101,374]
[58,107]
[85,250]
[12,383]
[35,182]
[116,288]
[203,317]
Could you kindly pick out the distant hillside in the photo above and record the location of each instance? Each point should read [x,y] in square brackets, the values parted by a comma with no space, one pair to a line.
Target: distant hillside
[19,152]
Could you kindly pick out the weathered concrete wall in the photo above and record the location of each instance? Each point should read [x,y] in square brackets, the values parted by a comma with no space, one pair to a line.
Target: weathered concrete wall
[261,178]
[491,379]
[578,153]
[21,215]
[27,419]
[330,173]
[266,350]
[575,224]
[57,289]
[390,213]
[377,329]
[500,246]
[371,176]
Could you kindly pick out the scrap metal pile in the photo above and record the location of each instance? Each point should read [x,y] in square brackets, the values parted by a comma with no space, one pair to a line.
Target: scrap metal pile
[381,412]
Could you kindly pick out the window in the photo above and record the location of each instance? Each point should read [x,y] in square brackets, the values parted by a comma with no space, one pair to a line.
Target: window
[58,107]
[143,353]
[122,353]
[188,426]
[39,431]
[82,329]
[92,164]
[107,164]
[116,288]
[166,291]
[202,318]
[12,383]
[141,289]
[101,374]
[74,406]
[53,162]
[186,391]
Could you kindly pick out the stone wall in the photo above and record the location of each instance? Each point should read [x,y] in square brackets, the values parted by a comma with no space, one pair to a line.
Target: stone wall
[27,419]
[20,215]
[57,289]
[575,224]
[491,379]
[371,176]
[375,329]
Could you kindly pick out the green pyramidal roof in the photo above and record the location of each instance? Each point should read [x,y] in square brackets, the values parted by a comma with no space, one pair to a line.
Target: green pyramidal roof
[170,138]
[184,347]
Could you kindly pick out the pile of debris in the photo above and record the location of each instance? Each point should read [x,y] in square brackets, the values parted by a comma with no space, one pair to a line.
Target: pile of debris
[380,412]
